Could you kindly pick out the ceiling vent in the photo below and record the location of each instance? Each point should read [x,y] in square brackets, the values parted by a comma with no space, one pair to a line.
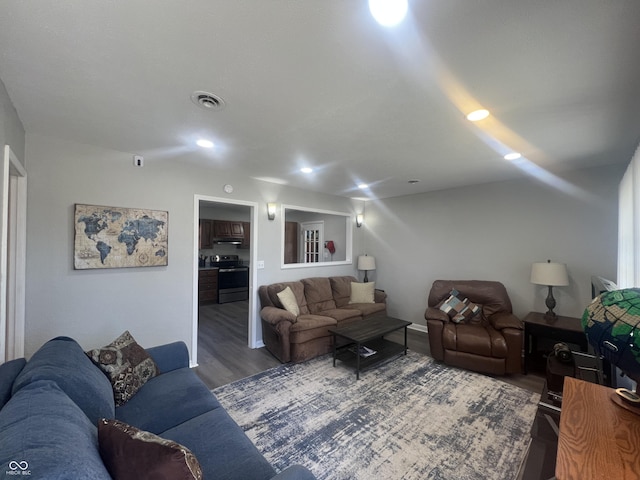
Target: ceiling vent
[207,100]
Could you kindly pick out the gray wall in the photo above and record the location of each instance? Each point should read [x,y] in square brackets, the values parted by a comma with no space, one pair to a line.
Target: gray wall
[11,129]
[494,232]
[155,304]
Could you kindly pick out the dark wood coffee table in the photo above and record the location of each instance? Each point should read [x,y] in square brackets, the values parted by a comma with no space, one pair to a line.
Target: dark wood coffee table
[368,333]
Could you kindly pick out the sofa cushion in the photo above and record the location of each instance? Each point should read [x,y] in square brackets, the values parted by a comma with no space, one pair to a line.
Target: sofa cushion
[221,447]
[45,431]
[166,401]
[459,309]
[341,289]
[288,301]
[367,309]
[317,291]
[133,454]
[362,292]
[310,327]
[298,290]
[8,373]
[127,365]
[63,361]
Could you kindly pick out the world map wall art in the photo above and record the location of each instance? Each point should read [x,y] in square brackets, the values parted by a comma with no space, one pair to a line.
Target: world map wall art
[113,237]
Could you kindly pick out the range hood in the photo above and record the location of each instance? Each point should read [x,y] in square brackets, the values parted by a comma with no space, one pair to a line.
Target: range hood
[227,241]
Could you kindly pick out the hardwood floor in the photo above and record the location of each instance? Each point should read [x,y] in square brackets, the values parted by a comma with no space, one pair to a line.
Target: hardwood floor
[223,354]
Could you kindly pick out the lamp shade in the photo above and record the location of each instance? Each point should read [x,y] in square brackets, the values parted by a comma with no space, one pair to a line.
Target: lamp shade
[550,274]
[365,262]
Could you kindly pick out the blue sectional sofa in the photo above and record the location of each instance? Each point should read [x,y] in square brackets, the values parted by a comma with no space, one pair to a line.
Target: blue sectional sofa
[50,406]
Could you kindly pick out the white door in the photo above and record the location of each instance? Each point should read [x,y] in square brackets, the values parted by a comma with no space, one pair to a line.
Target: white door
[13,228]
[312,241]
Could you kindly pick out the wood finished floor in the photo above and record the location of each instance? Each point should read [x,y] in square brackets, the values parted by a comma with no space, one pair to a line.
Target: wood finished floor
[223,354]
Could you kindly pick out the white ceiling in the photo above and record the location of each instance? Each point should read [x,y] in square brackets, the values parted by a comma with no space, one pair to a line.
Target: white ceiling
[319,83]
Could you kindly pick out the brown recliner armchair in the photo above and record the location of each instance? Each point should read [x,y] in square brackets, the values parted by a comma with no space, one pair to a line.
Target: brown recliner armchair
[490,342]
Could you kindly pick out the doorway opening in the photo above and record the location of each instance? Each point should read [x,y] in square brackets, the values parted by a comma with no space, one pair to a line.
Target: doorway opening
[224,234]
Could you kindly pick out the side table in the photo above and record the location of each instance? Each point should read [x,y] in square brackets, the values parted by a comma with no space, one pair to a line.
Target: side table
[537,330]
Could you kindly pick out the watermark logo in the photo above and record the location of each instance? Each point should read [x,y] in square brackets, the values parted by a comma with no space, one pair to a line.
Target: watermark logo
[18,468]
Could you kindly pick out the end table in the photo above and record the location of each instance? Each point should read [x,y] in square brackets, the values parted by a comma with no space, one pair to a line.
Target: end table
[537,329]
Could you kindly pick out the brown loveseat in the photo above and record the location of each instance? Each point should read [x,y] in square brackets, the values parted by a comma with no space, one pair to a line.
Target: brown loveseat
[323,303]
[490,342]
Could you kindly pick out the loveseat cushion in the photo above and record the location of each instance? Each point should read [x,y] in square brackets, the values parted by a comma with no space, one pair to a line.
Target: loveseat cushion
[46,432]
[221,447]
[166,401]
[8,373]
[317,291]
[63,361]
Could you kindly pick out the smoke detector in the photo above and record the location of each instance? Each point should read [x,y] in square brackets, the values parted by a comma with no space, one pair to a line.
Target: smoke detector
[207,101]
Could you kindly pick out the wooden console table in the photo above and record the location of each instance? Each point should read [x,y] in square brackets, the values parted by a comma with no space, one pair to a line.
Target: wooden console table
[598,439]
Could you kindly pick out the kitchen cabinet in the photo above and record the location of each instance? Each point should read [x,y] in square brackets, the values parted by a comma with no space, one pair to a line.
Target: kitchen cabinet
[246,239]
[208,285]
[206,234]
[228,229]
[291,242]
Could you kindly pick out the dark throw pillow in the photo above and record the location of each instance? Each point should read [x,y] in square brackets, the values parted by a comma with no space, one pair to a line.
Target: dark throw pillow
[459,310]
[127,365]
[133,454]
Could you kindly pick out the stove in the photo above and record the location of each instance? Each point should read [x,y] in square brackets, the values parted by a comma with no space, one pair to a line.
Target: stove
[233,278]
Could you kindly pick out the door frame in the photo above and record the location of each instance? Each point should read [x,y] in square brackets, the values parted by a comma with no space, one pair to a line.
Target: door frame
[13,255]
[252,335]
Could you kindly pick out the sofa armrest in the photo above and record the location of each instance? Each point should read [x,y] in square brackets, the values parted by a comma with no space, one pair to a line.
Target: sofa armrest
[379,296]
[295,472]
[436,314]
[502,320]
[275,315]
[170,356]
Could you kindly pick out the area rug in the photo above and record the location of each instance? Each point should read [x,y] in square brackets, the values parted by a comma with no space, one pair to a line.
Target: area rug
[410,418]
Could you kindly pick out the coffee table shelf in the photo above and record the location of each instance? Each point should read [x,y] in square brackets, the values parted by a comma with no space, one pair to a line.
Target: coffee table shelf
[369,333]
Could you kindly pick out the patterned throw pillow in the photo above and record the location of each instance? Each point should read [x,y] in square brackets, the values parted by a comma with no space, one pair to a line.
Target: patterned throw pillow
[459,310]
[127,365]
[288,300]
[133,454]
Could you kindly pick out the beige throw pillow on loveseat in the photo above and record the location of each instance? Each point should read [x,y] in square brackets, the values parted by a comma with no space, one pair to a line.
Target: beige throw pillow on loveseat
[288,300]
[362,292]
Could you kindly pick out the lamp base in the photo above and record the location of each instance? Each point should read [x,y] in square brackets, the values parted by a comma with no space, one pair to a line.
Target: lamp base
[366,279]
[550,316]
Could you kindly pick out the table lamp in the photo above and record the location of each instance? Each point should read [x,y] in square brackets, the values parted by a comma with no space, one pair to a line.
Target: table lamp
[366,263]
[551,275]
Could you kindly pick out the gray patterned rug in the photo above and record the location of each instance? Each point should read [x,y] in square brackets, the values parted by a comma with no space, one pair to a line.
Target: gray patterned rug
[410,418]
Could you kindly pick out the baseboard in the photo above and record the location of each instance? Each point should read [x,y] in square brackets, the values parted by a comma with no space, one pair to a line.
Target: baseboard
[418,327]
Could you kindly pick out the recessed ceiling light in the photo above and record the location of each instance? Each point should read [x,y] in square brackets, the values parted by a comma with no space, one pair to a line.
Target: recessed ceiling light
[363,186]
[388,13]
[306,169]
[512,156]
[204,143]
[413,181]
[478,115]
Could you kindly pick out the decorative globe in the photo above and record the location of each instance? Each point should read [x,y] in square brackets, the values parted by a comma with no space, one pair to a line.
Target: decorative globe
[612,325]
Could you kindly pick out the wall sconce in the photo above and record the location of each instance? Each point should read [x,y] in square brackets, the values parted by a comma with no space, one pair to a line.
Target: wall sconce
[359,220]
[271,211]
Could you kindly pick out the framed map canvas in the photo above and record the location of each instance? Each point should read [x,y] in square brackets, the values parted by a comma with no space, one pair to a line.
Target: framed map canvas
[113,237]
